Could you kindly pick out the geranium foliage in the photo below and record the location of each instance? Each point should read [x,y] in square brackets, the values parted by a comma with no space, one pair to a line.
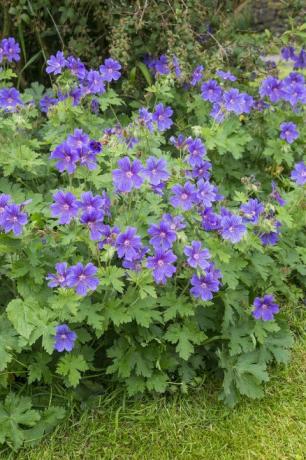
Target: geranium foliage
[146,242]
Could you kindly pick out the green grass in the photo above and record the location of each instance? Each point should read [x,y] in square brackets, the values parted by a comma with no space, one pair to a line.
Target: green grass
[189,427]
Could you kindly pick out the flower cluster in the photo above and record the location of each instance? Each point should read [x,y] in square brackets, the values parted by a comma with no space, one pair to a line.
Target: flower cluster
[10,99]
[9,50]
[93,210]
[12,216]
[88,82]
[299,59]
[77,149]
[79,277]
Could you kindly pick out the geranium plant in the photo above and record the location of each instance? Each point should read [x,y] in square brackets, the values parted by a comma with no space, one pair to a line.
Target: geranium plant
[146,242]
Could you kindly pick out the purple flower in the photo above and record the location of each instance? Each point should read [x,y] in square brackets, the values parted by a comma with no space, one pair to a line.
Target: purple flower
[128,244]
[65,207]
[270,238]
[156,170]
[197,257]
[9,99]
[145,118]
[46,102]
[76,94]
[175,223]
[76,67]
[56,63]
[252,211]
[90,203]
[162,236]
[95,82]
[131,141]
[206,193]
[210,220]
[106,204]
[218,112]
[162,117]
[64,338]
[11,49]
[260,105]
[298,174]
[211,91]
[183,196]
[289,132]
[127,176]
[226,75]
[135,264]
[295,78]
[94,221]
[180,142]
[246,103]
[272,88]
[197,75]
[300,60]
[265,307]
[176,66]
[78,139]
[59,279]
[109,236]
[87,158]
[288,52]
[233,101]
[204,285]
[95,106]
[82,278]
[197,151]
[294,92]
[110,70]
[95,146]
[67,158]
[161,65]
[4,201]
[200,171]
[232,228]
[276,195]
[161,264]
[13,219]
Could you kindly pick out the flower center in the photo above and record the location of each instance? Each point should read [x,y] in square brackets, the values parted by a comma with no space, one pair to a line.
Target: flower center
[160,263]
[82,277]
[129,174]
[184,196]
[126,243]
[153,171]
[63,336]
[61,279]
[162,234]
[66,207]
[196,256]
[203,285]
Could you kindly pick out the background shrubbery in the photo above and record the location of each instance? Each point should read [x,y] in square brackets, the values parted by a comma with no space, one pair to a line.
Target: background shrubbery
[234,138]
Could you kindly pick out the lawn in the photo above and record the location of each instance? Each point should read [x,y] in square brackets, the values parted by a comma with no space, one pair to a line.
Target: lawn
[189,427]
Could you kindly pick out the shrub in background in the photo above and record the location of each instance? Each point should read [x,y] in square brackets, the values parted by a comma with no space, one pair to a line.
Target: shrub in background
[146,241]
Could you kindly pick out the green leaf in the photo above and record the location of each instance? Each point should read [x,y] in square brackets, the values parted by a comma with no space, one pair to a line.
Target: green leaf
[21,317]
[38,369]
[185,336]
[109,98]
[8,342]
[15,415]
[111,276]
[71,366]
